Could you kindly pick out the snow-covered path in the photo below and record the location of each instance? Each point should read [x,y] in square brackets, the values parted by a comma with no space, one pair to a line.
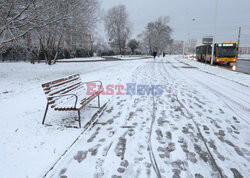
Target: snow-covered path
[27,146]
[199,127]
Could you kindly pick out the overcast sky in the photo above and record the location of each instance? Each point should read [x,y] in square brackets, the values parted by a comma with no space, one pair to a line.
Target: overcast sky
[231,15]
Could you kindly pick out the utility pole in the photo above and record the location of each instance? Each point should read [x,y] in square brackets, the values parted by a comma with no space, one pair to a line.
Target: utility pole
[214,37]
[238,45]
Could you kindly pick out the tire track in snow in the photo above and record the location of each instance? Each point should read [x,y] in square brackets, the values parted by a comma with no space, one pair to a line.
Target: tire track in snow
[195,123]
[151,78]
[151,152]
[228,86]
[225,98]
[141,74]
[235,105]
[202,138]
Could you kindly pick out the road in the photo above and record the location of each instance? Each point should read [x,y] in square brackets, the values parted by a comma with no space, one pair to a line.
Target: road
[198,128]
[243,65]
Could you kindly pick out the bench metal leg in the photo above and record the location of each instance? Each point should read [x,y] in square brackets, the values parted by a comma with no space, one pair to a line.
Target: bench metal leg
[46,110]
[79,118]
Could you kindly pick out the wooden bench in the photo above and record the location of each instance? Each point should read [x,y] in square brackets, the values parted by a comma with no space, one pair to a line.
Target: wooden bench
[69,94]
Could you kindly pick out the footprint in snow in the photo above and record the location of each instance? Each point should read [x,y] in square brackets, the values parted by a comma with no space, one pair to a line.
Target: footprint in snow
[80,156]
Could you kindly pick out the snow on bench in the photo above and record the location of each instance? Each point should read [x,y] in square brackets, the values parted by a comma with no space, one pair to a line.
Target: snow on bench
[69,94]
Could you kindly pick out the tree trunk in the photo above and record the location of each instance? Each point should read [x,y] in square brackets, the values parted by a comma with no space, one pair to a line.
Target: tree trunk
[57,50]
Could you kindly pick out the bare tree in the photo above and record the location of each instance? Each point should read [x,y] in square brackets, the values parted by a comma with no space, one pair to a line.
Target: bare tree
[118,26]
[50,24]
[18,17]
[190,46]
[158,35]
[72,31]
[176,47]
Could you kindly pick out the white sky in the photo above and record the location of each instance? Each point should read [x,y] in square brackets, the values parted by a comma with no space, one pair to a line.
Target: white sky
[231,15]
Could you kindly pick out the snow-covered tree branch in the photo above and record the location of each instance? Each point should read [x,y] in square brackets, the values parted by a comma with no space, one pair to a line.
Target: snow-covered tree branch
[50,24]
[117,26]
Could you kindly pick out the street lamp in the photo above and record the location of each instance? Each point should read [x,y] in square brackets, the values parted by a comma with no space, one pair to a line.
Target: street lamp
[214,38]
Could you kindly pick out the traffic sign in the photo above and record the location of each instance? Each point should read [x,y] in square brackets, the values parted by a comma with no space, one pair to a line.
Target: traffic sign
[207,40]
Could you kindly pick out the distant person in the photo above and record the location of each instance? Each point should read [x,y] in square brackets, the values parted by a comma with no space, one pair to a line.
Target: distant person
[163,54]
[154,54]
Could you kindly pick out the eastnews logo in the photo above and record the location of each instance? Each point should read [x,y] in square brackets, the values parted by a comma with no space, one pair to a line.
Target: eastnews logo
[130,89]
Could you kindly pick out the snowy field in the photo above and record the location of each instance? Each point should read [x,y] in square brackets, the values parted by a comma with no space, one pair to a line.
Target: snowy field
[130,57]
[121,57]
[83,59]
[198,128]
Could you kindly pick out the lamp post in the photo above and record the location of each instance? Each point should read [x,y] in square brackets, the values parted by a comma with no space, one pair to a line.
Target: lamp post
[214,37]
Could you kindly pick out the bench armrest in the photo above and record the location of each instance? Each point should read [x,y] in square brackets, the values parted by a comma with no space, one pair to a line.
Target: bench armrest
[60,96]
[97,81]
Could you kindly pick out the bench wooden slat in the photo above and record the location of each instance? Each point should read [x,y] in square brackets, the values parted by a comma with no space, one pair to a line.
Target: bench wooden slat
[88,100]
[65,84]
[50,87]
[54,89]
[78,92]
[61,85]
[64,90]
[59,81]
[68,94]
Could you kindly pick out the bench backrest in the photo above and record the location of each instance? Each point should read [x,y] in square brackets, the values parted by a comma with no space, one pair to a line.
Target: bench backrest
[63,86]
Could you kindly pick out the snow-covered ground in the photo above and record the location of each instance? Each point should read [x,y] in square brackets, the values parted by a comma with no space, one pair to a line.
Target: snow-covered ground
[27,146]
[199,127]
[130,57]
[237,77]
[121,57]
[83,59]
